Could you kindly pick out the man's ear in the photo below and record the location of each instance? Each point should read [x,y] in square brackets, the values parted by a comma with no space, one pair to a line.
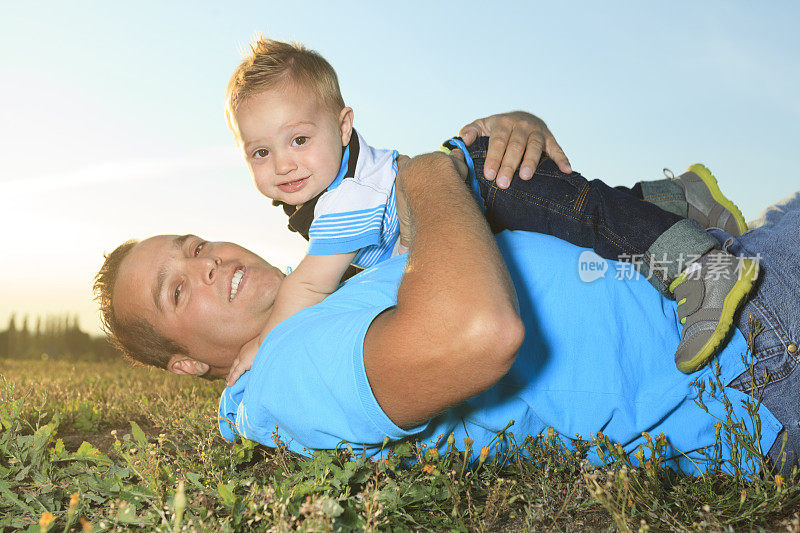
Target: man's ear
[186,366]
[346,124]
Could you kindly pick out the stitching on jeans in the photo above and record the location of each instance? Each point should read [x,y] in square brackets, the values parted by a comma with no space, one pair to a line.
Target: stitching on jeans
[763,354]
[583,194]
[616,239]
[619,241]
[778,327]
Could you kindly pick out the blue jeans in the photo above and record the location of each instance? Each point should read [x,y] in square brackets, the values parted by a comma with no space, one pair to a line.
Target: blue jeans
[615,222]
[774,307]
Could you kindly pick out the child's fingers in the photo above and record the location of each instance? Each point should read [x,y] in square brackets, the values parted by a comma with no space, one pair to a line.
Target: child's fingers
[234,373]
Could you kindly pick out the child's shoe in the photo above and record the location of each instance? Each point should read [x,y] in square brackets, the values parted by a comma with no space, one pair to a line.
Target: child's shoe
[708,292]
[707,204]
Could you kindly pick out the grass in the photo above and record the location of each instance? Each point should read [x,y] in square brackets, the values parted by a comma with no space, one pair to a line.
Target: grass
[102,446]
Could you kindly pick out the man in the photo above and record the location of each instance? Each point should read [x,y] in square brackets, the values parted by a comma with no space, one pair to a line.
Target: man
[436,354]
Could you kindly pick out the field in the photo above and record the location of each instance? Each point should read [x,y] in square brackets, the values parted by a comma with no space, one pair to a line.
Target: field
[103,446]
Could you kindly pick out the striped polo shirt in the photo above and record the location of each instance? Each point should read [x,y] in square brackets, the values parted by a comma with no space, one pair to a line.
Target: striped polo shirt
[357,212]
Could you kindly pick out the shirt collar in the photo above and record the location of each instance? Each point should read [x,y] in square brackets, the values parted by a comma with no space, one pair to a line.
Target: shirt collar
[300,220]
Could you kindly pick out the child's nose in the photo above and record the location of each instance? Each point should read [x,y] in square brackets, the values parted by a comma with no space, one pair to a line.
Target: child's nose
[283,163]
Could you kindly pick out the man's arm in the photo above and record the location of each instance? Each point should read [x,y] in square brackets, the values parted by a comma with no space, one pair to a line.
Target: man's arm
[455,329]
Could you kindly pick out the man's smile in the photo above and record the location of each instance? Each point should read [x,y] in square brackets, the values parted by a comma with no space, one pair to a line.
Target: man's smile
[236,280]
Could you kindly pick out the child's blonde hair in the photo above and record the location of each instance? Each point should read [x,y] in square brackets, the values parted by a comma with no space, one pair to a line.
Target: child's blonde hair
[271,64]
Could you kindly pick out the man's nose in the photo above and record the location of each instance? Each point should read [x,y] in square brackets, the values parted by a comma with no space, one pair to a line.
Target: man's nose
[207,268]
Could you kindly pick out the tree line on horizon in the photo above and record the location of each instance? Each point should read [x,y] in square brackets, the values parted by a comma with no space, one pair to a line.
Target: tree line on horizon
[51,336]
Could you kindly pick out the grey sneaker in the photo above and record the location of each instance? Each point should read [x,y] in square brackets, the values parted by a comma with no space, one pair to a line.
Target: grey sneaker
[708,292]
[707,204]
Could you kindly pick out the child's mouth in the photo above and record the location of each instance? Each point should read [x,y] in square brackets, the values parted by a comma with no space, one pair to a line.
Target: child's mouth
[293,186]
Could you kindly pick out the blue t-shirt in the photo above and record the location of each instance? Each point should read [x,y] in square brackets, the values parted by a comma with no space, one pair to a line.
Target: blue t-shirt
[597,356]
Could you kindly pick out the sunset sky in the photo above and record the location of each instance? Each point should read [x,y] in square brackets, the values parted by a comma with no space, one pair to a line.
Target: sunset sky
[113,126]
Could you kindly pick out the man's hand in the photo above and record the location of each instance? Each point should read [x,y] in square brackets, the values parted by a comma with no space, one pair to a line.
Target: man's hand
[403,215]
[514,137]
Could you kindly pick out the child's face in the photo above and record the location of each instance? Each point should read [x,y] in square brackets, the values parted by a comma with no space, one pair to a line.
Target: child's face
[292,142]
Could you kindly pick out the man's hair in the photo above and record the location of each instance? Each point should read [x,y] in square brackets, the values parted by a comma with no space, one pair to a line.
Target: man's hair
[136,338]
[271,64]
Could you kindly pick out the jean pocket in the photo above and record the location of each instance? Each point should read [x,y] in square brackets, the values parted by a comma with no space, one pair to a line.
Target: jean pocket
[770,361]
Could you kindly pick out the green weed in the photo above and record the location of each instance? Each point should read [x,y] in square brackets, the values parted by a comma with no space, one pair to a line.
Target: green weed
[110,447]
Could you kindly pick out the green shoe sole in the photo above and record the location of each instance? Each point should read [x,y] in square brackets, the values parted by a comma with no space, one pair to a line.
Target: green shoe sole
[711,182]
[731,303]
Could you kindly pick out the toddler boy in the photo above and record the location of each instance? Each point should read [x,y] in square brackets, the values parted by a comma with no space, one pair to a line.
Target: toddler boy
[286,110]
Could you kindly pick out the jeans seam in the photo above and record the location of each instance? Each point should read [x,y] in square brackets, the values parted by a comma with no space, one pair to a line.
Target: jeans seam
[581,197]
[779,331]
[760,355]
[617,240]
[555,208]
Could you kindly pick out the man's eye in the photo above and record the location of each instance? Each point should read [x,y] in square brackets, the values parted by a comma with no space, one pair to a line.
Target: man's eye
[177,294]
[299,141]
[261,153]
[199,248]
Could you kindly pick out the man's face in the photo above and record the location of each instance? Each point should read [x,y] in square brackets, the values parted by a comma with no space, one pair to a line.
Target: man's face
[292,142]
[211,297]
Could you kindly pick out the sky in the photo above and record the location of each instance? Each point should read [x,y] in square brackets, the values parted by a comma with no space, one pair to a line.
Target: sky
[112,114]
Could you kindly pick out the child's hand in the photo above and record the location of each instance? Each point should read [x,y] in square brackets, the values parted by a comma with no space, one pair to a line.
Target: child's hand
[244,360]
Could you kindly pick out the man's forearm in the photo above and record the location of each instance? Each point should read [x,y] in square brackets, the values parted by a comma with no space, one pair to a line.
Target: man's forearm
[452,250]
[454,331]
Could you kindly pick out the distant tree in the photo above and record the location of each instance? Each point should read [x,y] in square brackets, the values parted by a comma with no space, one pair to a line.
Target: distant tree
[55,335]
[23,344]
[11,339]
[36,337]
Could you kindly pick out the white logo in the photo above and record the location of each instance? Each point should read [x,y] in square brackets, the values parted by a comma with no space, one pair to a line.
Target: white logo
[591,266]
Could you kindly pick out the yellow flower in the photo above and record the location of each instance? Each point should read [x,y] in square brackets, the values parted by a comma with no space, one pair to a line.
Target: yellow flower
[428,469]
[73,500]
[45,520]
[433,454]
[779,480]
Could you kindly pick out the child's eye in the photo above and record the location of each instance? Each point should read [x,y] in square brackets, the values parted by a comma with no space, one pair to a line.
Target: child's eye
[199,248]
[260,154]
[299,141]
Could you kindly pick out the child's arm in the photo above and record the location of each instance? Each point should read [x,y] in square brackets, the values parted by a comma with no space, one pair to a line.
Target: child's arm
[316,277]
